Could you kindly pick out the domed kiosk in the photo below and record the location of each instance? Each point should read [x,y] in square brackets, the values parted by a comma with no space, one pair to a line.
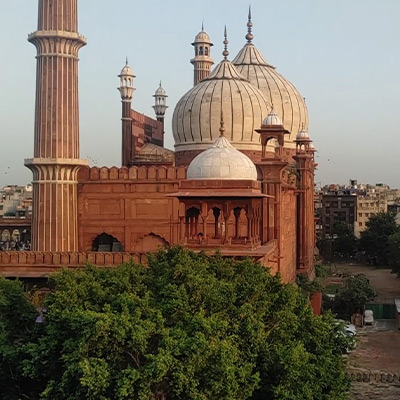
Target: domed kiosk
[221,200]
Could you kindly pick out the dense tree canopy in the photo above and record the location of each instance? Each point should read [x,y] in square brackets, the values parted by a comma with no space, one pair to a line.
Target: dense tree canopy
[341,245]
[352,298]
[374,240]
[188,326]
[394,251]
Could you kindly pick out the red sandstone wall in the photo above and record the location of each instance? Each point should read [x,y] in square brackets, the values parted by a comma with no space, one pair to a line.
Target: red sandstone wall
[146,129]
[130,204]
[288,236]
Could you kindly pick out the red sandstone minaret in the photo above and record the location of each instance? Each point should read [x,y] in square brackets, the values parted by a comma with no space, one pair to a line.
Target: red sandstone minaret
[56,159]
[305,166]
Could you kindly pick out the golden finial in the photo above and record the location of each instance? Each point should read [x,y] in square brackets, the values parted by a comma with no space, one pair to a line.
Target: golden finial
[249,35]
[225,53]
[222,123]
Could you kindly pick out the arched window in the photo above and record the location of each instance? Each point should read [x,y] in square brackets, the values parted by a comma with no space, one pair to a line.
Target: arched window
[107,243]
[206,51]
[201,50]
[192,219]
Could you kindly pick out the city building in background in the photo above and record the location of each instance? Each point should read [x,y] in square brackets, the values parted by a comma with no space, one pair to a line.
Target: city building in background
[15,217]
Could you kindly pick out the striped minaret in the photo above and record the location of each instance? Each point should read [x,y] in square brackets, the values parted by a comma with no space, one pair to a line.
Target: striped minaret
[56,159]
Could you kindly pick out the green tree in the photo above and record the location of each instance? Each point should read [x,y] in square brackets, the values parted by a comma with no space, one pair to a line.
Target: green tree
[17,326]
[374,240]
[344,243]
[394,252]
[188,326]
[356,293]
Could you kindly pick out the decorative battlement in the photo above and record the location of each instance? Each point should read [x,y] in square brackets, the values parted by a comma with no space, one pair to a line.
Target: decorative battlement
[147,173]
[34,264]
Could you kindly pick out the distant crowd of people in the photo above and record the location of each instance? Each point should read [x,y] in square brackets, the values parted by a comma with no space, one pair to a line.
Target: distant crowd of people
[15,245]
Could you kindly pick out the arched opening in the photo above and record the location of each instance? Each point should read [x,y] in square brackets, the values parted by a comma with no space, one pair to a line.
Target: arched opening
[206,51]
[219,227]
[107,243]
[26,235]
[201,50]
[191,223]
[150,243]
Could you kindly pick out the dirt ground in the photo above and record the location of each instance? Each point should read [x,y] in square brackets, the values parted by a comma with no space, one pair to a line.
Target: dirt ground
[378,346]
[383,281]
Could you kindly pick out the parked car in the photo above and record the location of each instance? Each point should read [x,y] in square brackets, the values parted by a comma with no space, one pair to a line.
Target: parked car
[368,317]
[350,330]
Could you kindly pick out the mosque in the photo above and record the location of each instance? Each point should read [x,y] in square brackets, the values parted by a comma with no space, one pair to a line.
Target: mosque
[240,179]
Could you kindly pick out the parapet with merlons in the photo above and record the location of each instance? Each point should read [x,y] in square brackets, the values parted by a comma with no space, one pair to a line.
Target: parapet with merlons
[134,173]
[34,264]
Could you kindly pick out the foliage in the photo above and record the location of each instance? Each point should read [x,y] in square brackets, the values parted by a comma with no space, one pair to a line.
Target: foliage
[345,243]
[188,326]
[341,245]
[393,252]
[17,326]
[374,240]
[309,287]
[352,298]
[320,271]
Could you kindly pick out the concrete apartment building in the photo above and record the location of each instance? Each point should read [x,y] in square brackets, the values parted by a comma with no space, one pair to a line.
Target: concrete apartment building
[338,206]
[16,201]
[355,204]
[367,206]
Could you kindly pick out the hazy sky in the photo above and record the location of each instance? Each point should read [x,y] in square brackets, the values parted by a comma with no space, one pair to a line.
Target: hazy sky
[342,55]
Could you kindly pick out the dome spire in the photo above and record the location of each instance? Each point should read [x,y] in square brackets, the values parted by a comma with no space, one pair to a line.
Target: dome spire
[249,36]
[222,125]
[225,53]
[202,26]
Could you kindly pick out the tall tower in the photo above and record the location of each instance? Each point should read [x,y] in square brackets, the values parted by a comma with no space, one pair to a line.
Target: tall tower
[306,223]
[202,61]
[55,163]
[160,106]
[126,90]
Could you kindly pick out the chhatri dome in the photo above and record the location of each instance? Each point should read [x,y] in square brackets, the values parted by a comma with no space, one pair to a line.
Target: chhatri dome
[197,114]
[222,161]
[287,101]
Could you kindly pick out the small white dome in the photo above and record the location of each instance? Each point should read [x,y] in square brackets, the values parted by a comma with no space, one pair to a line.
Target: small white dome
[202,37]
[160,91]
[127,71]
[303,135]
[222,161]
[272,119]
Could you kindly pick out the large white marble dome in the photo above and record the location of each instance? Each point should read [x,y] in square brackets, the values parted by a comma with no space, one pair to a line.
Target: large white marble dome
[245,90]
[287,101]
[222,161]
[197,115]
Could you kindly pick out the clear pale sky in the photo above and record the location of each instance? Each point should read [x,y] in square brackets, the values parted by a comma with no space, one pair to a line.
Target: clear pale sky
[342,55]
